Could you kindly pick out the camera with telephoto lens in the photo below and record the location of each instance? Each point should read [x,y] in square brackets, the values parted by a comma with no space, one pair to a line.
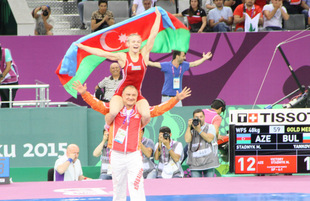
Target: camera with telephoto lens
[45,12]
[166,135]
[196,122]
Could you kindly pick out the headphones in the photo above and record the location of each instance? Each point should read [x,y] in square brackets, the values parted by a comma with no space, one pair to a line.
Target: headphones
[223,104]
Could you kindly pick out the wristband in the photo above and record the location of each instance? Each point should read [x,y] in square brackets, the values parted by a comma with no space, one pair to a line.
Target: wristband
[169,149]
[70,160]
[200,132]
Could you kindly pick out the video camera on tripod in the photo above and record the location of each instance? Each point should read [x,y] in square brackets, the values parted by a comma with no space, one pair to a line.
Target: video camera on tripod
[300,101]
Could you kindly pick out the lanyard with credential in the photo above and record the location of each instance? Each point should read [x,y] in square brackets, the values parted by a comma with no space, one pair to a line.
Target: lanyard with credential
[173,71]
[127,116]
[122,132]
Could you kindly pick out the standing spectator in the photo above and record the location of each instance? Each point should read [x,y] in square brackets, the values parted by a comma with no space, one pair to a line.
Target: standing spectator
[220,18]
[202,146]
[109,84]
[147,148]
[251,9]
[212,116]
[103,151]
[273,15]
[174,71]
[196,17]
[8,75]
[169,153]
[44,20]
[81,12]
[308,17]
[139,6]
[101,18]
[68,167]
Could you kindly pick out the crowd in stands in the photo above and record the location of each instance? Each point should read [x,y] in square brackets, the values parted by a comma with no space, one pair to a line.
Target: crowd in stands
[214,16]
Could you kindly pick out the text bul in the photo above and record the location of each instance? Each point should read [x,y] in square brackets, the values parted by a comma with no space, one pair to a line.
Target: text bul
[290,138]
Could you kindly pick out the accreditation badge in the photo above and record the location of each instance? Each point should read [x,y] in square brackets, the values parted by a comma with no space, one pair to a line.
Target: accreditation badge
[120,135]
[109,172]
[176,83]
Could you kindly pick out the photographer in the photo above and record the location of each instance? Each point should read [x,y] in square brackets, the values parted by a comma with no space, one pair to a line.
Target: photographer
[44,20]
[170,154]
[103,151]
[202,147]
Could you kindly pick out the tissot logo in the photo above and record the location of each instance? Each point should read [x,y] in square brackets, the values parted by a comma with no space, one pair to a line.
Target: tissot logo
[253,117]
[248,118]
[276,117]
[242,117]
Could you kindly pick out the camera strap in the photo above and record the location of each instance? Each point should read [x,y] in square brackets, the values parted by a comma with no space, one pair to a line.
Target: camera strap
[164,153]
[194,134]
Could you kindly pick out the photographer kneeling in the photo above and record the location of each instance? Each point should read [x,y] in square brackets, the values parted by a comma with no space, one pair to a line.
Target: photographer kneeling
[202,147]
[170,154]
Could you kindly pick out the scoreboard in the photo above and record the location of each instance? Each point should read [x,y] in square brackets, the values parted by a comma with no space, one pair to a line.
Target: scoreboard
[269,141]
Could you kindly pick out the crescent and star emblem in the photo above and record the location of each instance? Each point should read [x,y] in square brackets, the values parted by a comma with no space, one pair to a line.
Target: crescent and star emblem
[122,38]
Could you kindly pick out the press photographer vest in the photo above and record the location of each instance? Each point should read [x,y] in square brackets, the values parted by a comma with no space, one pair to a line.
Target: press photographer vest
[105,159]
[165,158]
[201,154]
[148,163]
[12,75]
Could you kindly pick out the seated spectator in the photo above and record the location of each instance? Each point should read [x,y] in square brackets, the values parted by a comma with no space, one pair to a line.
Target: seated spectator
[252,11]
[221,17]
[273,15]
[101,18]
[202,146]
[305,4]
[109,84]
[169,153]
[147,148]
[196,17]
[44,20]
[261,3]
[233,3]
[68,167]
[293,6]
[81,12]
[139,6]
[209,6]
[103,151]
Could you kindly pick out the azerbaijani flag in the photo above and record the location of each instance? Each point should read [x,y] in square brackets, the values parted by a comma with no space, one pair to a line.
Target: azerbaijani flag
[78,64]
[243,138]
[306,137]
